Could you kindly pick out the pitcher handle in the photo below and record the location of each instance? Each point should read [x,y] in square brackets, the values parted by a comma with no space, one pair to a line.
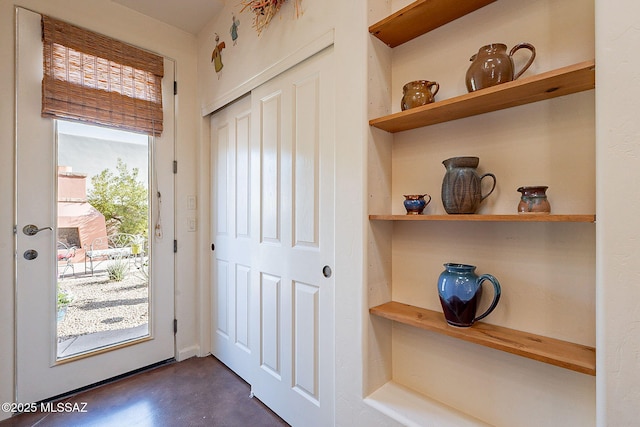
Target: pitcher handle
[430,85]
[531,58]
[428,201]
[496,294]
[492,188]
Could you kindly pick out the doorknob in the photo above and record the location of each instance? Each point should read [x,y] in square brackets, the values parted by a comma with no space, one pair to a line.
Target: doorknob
[326,271]
[32,230]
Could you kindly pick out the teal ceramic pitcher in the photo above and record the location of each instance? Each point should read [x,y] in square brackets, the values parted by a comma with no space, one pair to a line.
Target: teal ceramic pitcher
[460,291]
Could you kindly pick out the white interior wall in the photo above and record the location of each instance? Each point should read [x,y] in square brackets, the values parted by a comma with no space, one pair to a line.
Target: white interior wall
[618,234]
[116,21]
[253,55]
[7,205]
[352,199]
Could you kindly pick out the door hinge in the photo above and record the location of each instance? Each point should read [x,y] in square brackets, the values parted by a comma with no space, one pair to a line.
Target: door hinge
[175,88]
[175,326]
[175,246]
[175,166]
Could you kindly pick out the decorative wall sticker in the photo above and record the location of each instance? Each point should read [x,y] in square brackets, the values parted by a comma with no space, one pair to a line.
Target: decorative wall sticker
[216,55]
[265,10]
[235,23]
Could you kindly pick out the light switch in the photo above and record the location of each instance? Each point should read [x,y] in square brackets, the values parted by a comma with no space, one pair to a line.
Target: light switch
[191,224]
[191,203]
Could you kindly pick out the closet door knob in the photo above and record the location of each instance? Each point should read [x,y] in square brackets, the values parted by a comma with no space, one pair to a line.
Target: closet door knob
[326,271]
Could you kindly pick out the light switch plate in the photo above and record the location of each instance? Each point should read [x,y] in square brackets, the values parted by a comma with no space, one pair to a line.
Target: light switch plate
[191,203]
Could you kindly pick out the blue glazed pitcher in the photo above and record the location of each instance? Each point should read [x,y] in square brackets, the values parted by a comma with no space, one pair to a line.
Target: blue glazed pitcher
[460,291]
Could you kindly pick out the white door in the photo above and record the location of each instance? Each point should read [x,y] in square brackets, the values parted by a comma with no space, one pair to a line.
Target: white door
[233,299]
[293,145]
[272,161]
[40,372]
[292,172]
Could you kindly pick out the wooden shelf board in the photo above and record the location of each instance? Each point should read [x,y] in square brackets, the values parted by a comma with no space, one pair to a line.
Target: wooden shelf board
[563,81]
[488,218]
[576,357]
[420,17]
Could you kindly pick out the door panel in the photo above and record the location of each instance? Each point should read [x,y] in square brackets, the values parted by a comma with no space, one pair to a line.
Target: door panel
[270,350]
[233,291]
[222,299]
[305,336]
[243,291]
[39,374]
[306,162]
[294,131]
[243,183]
[271,217]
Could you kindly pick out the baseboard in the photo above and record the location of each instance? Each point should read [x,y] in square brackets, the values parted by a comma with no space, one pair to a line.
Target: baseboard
[188,353]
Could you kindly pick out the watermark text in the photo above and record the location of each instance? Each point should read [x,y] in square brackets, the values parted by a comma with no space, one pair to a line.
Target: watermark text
[48,407]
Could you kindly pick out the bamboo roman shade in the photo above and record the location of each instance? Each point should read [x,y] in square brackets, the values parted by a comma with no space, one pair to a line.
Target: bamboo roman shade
[92,78]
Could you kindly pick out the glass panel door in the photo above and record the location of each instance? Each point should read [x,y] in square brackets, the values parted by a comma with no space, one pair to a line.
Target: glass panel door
[40,372]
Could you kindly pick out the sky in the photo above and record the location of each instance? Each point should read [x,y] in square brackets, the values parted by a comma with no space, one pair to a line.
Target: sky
[73,128]
[91,149]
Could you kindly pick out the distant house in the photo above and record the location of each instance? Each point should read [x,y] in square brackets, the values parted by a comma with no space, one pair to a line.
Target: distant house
[79,223]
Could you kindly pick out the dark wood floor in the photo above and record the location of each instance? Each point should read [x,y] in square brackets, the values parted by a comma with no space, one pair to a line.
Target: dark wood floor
[195,392]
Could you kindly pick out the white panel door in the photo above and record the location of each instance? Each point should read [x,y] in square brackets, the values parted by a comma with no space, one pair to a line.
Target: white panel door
[232,293]
[292,173]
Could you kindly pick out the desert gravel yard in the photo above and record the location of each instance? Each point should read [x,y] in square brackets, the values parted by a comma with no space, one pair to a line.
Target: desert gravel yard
[98,304]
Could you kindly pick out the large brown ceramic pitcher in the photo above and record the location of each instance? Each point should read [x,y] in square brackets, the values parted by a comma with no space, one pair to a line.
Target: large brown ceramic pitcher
[492,65]
[461,186]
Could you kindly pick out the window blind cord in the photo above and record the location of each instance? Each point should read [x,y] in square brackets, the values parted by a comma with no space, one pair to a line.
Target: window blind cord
[157,229]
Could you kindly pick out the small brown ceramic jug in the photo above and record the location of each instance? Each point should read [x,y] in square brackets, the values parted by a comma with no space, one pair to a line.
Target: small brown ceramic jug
[492,65]
[417,93]
[534,200]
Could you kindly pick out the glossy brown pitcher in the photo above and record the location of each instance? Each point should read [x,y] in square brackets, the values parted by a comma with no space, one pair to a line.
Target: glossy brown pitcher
[418,93]
[492,65]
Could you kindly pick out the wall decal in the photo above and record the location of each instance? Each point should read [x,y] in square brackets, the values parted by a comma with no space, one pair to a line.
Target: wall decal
[235,23]
[265,10]
[216,55]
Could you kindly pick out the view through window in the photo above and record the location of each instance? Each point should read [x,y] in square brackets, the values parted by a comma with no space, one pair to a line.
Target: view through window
[102,239]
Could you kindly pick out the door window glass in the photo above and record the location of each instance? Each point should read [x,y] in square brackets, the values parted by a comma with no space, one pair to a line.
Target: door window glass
[102,238]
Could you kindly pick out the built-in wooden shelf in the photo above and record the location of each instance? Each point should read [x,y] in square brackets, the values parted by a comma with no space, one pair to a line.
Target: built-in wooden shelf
[576,357]
[563,81]
[420,17]
[411,408]
[489,218]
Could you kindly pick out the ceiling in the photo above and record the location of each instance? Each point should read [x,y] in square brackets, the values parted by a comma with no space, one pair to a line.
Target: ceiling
[188,15]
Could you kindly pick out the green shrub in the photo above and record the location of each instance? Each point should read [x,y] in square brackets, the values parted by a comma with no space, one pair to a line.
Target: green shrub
[117,270]
[62,297]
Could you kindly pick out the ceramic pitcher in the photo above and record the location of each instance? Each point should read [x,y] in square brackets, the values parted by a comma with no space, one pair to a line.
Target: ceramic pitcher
[492,65]
[418,93]
[415,203]
[461,185]
[460,291]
